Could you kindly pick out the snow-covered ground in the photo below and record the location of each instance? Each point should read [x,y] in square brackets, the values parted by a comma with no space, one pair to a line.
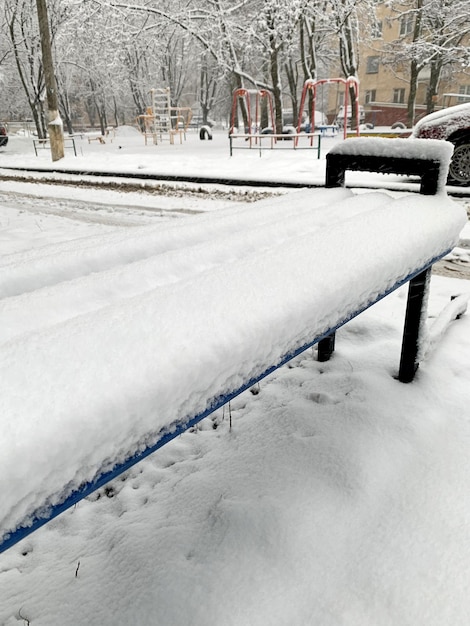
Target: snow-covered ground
[337,496]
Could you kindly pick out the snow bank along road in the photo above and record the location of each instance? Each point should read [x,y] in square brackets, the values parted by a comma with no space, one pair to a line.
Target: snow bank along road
[112,340]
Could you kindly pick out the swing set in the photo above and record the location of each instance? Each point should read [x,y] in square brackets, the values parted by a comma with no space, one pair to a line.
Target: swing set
[256,106]
[311,87]
[256,109]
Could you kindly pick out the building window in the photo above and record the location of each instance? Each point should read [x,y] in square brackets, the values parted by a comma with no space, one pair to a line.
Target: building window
[398,96]
[370,96]
[372,65]
[376,29]
[407,23]
[465,91]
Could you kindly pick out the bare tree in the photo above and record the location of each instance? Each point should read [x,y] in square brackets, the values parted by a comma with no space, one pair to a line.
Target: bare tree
[347,30]
[447,28]
[435,38]
[208,85]
[23,33]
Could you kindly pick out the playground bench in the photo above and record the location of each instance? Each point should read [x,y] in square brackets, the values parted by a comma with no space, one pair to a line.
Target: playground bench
[99,139]
[224,299]
[328,130]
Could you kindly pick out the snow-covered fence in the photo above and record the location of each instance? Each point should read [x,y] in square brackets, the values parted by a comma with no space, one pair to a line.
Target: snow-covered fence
[112,346]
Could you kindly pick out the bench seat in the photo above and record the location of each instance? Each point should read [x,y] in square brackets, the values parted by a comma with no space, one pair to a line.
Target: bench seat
[113,345]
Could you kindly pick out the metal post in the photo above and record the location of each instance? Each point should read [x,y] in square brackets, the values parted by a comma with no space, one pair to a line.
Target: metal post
[335,171]
[326,347]
[417,295]
[430,178]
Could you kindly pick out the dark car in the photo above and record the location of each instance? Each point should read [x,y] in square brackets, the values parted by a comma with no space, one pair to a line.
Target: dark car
[3,135]
[451,124]
[197,121]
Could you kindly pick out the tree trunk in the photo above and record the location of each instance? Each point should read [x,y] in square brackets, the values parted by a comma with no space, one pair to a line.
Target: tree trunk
[241,106]
[410,113]
[307,50]
[56,134]
[276,83]
[436,69]
[347,42]
[65,110]
[102,118]
[32,94]
[37,112]
[116,112]
[91,110]
[292,79]
[308,60]
[207,89]
[415,67]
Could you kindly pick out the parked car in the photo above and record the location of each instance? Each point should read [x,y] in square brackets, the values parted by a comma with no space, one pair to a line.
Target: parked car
[305,125]
[289,118]
[339,121]
[197,121]
[3,135]
[451,124]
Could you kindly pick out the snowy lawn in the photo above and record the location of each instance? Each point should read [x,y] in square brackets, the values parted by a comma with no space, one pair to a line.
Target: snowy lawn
[338,496]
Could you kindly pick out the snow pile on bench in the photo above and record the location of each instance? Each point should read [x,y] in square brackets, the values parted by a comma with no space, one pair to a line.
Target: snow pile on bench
[393,148]
[389,149]
[106,343]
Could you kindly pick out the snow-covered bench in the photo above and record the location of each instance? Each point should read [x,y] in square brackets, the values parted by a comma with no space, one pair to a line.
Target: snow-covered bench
[111,346]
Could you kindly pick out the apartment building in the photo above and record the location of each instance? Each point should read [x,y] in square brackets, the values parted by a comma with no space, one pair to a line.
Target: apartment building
[385,85]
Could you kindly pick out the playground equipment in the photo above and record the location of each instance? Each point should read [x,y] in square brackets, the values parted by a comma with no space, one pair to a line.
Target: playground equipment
[310,87]
[162,120]
[252,105]
[246,100]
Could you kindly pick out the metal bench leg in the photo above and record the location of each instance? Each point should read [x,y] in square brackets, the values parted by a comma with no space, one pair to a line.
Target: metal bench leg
[326,347]
[415,307]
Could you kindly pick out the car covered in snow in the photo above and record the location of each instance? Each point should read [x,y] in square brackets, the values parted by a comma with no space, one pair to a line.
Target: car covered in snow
[451,124]
[340,115]
[3,135]
[305,126]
